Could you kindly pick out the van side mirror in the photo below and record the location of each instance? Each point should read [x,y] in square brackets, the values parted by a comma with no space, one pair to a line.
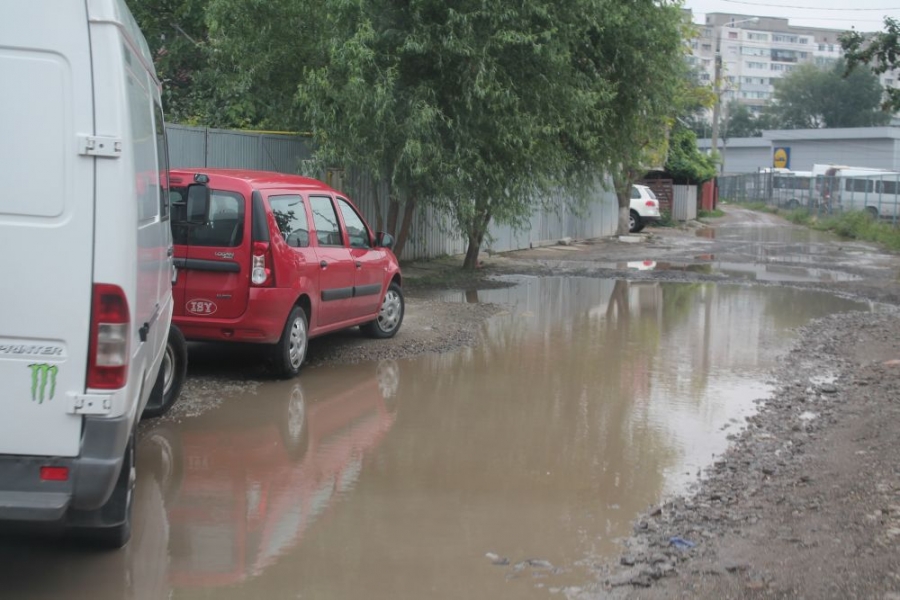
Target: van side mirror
[198,200]
[384,240]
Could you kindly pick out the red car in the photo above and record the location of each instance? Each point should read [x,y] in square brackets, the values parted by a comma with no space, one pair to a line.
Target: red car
[279,259]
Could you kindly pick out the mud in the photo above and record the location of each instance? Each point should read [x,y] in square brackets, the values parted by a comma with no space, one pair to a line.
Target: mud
[805,500]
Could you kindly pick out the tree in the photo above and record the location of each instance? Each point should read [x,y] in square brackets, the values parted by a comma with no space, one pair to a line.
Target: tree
[230,63]
[740,122]
[685,162]
[810,97]
[487,109]
[699,98]
[640,48]
[879,51]
[258,52]
[483,108]
[176,33]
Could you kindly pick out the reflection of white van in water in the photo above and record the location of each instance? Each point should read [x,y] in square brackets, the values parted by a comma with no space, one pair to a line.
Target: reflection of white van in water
[86,257]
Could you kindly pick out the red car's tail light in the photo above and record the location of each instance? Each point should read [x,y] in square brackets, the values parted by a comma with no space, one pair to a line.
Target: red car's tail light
[261,273]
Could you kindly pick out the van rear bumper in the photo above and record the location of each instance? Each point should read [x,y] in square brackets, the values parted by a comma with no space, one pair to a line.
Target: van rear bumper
[92,475]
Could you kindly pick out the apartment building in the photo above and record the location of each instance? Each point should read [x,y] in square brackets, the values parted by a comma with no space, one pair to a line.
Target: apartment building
[757,51]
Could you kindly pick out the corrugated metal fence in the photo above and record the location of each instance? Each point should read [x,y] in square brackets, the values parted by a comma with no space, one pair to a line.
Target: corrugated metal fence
[229,149]
[431,235]
[684,202]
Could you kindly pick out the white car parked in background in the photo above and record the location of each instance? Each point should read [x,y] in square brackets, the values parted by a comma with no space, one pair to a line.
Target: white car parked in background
[644,208]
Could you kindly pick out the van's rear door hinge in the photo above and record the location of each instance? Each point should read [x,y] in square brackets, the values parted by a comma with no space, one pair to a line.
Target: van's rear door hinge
[89,404]
[104,147]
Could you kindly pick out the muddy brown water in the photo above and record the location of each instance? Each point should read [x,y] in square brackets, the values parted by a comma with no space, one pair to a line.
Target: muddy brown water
[586,402]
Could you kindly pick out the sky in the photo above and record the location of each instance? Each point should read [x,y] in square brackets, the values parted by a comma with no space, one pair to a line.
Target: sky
[863,15]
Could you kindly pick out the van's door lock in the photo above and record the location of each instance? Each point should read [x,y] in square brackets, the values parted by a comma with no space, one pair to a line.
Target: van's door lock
[144,331]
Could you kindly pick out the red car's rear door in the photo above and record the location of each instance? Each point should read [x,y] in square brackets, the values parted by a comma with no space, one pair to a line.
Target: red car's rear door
[337,269]
[213,259]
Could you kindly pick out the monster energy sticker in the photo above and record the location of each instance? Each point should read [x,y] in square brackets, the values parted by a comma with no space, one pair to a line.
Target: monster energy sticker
[43,376]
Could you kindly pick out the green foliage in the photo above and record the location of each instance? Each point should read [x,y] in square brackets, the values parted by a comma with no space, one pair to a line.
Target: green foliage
[860,225]
[799,216]
[641,46]
[488,108]
[258,51]
[711,214]
[685,161]
[176,33]
[484,108]
[810,97]
[665,219]
[879,51]
[740,122]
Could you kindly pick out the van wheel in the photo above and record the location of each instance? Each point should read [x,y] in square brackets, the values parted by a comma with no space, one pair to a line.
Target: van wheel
[390,316]
[290,351]
[171,376]
[117,511]
[873,212]
[635,224]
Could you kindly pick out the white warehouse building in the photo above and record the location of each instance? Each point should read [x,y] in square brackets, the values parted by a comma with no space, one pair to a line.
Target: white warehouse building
[869,147]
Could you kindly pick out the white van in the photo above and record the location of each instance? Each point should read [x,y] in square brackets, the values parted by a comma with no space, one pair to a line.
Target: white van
[86,256]
[876,191]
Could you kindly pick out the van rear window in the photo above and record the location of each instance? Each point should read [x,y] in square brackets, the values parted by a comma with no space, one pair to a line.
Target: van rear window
[225,227]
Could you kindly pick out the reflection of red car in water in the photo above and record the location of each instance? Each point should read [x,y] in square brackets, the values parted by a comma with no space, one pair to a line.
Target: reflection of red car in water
[257,472]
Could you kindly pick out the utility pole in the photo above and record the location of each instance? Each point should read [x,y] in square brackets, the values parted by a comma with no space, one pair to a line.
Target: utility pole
[717,92]
[717,86]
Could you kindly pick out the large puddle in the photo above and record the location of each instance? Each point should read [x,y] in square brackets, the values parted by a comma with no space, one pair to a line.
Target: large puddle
[588,401]
[756,271]
[767,233]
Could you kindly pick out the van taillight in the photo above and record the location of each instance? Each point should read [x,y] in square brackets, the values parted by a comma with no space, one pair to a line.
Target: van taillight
[54,473]
[108,351]
[261,269]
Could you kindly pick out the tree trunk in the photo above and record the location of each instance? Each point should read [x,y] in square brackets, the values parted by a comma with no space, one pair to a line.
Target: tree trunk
[393,211]
[622,184]
[476,236]
[409,210]
[471,261]
[624,213]
[379,217]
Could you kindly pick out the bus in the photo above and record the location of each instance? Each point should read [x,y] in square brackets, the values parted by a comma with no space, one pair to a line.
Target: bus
[792,189]
[842,188]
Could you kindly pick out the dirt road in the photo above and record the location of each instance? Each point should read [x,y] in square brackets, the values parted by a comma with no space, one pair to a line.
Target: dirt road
[806,502]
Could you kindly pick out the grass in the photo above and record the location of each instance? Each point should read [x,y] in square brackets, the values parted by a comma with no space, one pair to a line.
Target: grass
[857,225]
[665,219]
[710,214]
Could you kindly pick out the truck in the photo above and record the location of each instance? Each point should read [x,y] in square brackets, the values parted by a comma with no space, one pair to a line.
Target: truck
[86,252]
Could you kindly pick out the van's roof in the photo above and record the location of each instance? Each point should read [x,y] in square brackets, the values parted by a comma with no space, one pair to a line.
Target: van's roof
[255,179]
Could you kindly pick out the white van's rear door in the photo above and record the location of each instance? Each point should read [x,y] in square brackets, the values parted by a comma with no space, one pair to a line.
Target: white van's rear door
[46,224]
